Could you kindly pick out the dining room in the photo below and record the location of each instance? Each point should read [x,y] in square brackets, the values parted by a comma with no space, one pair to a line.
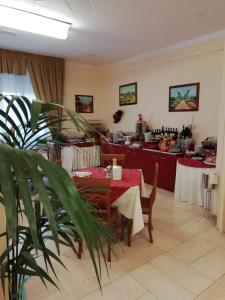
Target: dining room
[112,150]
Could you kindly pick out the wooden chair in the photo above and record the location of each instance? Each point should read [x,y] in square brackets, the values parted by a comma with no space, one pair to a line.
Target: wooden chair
[102,199]
[107,159]
[58,162]
[146,205]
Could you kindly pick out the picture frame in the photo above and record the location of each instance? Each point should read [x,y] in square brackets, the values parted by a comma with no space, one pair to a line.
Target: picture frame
[84,103]
[184,97]
[128,94]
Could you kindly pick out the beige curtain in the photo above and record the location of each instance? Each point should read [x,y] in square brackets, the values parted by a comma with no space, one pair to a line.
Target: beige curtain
[47,76]
[46,73]
[12,62]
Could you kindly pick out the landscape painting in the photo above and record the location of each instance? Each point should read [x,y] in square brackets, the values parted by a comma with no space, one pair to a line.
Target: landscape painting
[84,103]
[184,97]
[128,94]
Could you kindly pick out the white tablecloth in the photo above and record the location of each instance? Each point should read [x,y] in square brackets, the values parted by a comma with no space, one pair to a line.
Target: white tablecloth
[129,205]
[188,185]
[74,158]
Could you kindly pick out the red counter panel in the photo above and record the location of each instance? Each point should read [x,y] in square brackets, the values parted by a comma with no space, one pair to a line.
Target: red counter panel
[140,158]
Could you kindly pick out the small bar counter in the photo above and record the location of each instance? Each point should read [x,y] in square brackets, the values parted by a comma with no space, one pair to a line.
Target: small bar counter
[144,158]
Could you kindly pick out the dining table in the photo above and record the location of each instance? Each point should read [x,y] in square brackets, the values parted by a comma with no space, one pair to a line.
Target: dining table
[188,186]
[125,193]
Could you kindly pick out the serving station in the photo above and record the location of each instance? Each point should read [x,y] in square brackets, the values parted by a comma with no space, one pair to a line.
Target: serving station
[144,158]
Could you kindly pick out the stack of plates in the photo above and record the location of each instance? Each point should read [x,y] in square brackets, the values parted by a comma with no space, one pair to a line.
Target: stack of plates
[82,174]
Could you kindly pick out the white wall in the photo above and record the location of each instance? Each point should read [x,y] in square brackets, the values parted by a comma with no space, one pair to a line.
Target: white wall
[80,80]
[202,63]
[153,92]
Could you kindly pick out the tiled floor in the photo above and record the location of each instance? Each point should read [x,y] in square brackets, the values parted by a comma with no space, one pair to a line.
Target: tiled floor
[186,261]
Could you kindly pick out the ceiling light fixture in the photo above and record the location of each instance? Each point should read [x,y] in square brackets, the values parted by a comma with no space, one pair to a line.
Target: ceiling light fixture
[31,22]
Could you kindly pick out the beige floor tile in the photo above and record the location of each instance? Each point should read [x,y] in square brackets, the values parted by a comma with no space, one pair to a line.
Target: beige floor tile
[178,228]
[125,288]
[171,229]
[159,284]
[182,215]
[192,250]
[163,240]
[215,291]
[115,269]
[212,264]
[212,235]
[196,226]
[78,279]
[56,296]
[138,254]
[147,296]
[184,275]
[35,290]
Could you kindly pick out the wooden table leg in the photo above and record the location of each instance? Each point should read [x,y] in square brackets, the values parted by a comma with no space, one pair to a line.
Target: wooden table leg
[129,231]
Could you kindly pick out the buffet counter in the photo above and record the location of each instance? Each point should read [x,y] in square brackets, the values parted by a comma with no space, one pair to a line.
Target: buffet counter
[144,158]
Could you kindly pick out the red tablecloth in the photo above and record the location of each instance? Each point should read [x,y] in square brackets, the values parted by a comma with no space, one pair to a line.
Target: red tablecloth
[130,178]
[189,162]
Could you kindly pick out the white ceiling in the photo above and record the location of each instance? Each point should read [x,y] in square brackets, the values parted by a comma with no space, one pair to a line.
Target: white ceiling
[108,31]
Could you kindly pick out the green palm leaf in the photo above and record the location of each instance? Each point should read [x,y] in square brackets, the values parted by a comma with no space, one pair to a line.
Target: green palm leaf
[59,220]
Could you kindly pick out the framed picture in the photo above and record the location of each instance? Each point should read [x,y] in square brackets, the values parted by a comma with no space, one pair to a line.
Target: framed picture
[184,97]
[128,94]
[84,103]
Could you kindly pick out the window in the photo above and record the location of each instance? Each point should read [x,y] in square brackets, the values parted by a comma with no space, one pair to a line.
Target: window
[19,85]
[11,84]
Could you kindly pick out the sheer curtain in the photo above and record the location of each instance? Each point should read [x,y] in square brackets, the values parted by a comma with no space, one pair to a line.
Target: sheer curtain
[19,85]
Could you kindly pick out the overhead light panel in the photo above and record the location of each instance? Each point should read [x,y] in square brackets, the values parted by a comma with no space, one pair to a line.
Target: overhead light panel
[31,22]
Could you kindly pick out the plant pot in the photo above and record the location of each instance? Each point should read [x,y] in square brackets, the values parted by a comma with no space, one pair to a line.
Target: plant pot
[23,295]
[22,290]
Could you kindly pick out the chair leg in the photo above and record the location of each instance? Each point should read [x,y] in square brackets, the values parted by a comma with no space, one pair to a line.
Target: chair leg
[123,221]
[116,230]
[80,248]
[109,252]
[129,231]
[150,228]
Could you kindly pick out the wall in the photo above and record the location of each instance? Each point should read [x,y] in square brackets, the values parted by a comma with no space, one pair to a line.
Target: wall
[220,166]
[198,63]
[153,88]
[80,80]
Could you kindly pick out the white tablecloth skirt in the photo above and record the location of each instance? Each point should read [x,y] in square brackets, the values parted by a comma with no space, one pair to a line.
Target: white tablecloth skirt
[74,158]
[188,185]
[129,205]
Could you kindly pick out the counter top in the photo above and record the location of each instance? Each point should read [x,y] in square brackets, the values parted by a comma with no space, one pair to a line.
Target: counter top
[146,148]
[189,162]
[165,152]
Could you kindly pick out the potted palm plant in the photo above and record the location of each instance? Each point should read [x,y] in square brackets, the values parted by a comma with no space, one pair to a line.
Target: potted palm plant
[38,197]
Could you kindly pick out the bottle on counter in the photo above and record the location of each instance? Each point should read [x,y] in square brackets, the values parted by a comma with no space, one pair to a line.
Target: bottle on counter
[116,170]
[141,126]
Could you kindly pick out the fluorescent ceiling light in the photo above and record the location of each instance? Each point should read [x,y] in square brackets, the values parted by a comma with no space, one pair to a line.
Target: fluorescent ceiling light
[31,22]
